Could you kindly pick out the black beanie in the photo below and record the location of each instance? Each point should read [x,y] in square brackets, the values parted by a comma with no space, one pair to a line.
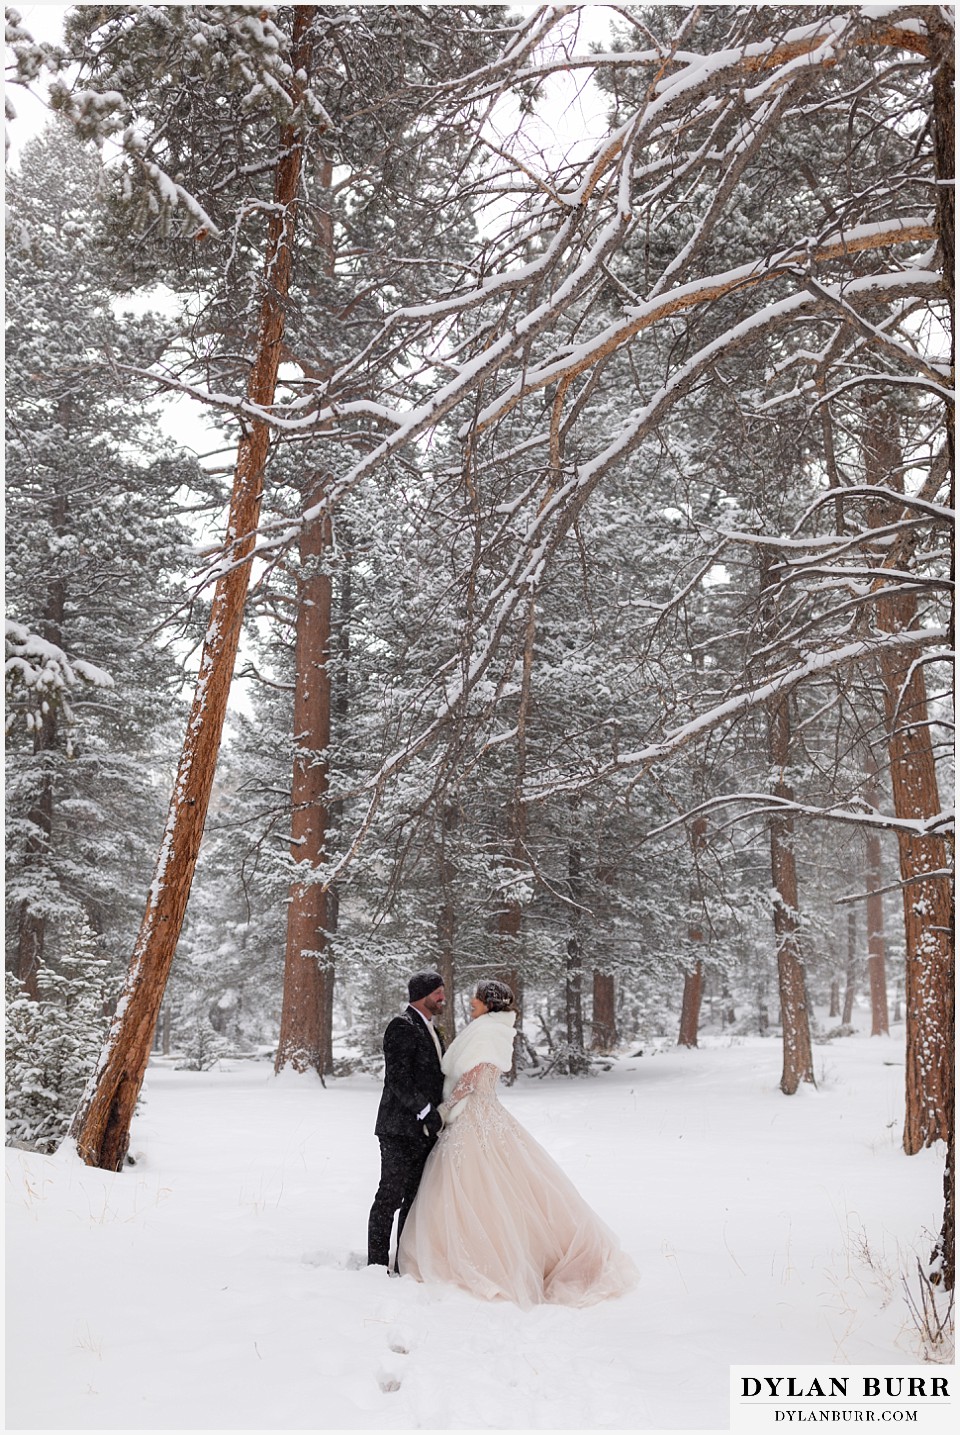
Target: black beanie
[421,984]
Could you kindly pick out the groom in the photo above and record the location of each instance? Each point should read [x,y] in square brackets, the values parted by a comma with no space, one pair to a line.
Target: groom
[408,1121]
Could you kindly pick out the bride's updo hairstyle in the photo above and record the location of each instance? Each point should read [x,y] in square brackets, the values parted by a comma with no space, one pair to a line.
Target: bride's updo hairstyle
[496,996]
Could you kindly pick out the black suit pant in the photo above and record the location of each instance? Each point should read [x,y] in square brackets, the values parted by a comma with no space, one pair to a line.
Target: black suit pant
[401,1166]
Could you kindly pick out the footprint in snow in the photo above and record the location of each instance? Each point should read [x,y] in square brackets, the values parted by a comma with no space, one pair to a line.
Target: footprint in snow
[400,1340]
[389,1377]
[335,1260]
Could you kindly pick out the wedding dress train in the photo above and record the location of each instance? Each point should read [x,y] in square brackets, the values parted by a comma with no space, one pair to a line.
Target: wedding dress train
[496,1216]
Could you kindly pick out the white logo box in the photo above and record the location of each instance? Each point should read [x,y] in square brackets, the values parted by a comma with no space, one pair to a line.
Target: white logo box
[766,1399]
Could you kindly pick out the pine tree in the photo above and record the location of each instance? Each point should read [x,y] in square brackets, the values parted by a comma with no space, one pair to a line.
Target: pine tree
[95,553]
[52,1041]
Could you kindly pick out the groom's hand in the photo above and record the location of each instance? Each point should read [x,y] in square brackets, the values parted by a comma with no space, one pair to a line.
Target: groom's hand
[433,1123]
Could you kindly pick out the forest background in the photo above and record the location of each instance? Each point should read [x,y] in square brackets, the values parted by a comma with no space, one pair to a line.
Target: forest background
[581,516]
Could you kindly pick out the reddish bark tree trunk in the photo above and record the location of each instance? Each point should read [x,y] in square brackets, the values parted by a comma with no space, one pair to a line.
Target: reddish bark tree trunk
[101,1127]
[876,936]
[927,910]
[693,980]
[943,64]
[604,1036]
[304,1040]
[927,904]
[794,1013]
[306,1018]
[690,1009]
[942,37]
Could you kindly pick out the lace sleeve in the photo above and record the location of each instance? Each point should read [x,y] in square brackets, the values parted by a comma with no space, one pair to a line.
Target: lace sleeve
[468,1082]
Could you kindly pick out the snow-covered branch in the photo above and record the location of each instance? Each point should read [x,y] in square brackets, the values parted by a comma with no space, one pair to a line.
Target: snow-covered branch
[39,677]
[726,713]
[856,814]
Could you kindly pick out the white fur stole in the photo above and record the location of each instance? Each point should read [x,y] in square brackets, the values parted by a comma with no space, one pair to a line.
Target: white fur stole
[488,1038]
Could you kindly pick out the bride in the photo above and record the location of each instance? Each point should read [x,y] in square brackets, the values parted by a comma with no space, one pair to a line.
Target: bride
[494,1213]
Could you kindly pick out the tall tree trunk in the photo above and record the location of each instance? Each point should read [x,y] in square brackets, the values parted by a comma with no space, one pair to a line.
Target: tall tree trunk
[876,936]
[941,29]
[604,1035]
[943,63]
[794,1009]
[573,976]
[340,704]
[927,910]
[925,883]
[693,977]
[305,1038]
[508,970]
[728,1012]
[850,986]
[101,1127]
[510,915]
[573,1000]
[32,921]
[690,1006]
[447,922]
[306,1018]
[794,1012]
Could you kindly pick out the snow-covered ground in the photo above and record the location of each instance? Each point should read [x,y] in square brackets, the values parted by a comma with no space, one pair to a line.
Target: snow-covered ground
[218,1283]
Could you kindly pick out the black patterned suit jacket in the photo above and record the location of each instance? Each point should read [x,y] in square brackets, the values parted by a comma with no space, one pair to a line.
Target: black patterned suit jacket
[413,1078]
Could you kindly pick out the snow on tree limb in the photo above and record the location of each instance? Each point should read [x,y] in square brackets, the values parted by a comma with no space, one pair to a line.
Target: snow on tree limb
[39,673]
[903,30]
[861,815]
[736,706]
[701,292]
[410,425]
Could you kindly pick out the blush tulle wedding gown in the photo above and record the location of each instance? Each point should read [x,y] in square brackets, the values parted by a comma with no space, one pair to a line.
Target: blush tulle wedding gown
[496,1216]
